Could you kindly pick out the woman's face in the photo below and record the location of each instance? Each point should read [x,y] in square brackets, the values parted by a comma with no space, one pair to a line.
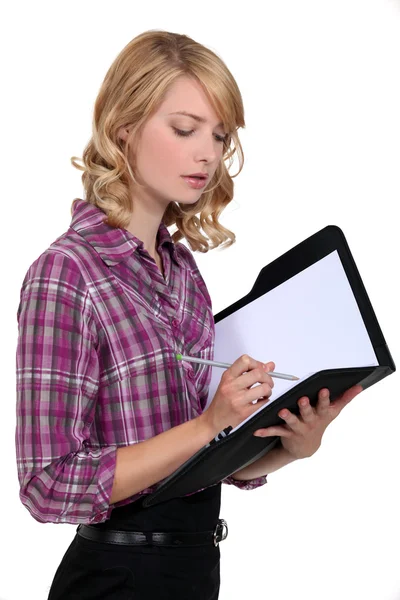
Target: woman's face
[163,155]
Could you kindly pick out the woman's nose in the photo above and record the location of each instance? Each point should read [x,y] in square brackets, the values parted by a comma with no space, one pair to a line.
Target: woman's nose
[208,151]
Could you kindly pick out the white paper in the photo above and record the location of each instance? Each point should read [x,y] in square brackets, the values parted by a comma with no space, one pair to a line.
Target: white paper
[308,323]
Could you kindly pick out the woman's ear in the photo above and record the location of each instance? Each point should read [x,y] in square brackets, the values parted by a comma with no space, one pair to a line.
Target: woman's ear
[123,132]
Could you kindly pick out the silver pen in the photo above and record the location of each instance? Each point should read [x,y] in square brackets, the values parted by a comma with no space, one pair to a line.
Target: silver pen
[213,363]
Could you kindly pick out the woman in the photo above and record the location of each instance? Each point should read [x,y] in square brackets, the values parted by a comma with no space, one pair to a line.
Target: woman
[104,410]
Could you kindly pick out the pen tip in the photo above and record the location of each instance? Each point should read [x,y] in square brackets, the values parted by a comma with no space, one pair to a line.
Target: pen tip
[179,356]
[296,378]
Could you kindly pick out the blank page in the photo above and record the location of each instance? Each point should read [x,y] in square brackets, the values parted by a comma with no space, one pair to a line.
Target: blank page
[308,323]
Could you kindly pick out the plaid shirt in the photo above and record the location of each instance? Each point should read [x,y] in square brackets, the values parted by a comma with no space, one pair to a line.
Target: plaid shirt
[98,330]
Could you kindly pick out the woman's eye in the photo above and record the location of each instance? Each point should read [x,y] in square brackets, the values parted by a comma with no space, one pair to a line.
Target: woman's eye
[183,133]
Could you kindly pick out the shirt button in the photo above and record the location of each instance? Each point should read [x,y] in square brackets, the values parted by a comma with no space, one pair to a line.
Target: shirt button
[175,323]
[191,375]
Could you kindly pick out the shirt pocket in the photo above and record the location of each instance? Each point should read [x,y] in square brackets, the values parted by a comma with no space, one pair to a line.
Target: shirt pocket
[199,335]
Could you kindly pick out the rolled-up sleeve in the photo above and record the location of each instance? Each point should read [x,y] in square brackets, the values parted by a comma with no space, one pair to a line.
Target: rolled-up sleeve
[62,478]
[250,484]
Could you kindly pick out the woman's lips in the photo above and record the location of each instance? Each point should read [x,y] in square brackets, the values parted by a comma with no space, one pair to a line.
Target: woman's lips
[194,182]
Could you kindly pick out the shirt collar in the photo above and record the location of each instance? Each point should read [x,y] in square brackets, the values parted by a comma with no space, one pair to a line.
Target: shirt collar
[113,244]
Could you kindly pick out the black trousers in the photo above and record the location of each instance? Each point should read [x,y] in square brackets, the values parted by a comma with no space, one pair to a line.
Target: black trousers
[92,570]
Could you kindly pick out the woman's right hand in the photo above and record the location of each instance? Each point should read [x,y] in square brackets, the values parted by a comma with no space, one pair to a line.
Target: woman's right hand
[233,399]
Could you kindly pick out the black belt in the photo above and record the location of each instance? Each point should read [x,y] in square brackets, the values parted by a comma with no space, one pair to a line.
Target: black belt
[153,538]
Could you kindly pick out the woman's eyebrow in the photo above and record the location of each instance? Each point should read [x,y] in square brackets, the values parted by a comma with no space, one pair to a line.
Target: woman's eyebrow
[195,117]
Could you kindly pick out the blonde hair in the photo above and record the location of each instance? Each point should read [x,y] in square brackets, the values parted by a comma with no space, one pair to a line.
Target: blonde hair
[133,88]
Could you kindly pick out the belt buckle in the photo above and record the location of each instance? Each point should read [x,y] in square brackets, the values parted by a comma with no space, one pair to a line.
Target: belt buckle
[221,531]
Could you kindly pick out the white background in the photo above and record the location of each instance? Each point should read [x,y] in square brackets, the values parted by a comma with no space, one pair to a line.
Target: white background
[320,84]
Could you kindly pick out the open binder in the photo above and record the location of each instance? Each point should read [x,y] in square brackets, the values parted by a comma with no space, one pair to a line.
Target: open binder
[309,312]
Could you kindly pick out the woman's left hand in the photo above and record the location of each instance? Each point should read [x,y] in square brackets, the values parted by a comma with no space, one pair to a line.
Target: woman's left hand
[301,435]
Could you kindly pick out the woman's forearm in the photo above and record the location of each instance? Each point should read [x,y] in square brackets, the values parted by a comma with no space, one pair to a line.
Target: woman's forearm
[141,465]
[275,459]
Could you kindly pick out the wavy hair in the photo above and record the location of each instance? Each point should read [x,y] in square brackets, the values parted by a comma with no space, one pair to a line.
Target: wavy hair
[133,88]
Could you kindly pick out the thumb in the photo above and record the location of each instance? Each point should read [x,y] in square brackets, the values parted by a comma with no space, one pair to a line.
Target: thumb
[269,366]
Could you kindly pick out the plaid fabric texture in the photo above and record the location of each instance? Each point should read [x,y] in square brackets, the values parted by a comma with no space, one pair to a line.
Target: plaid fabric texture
[98,330]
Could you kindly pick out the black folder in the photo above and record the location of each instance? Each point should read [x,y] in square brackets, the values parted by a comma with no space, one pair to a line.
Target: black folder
[325,252]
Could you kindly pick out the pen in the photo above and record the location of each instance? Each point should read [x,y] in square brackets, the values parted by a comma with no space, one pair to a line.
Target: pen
[213,363]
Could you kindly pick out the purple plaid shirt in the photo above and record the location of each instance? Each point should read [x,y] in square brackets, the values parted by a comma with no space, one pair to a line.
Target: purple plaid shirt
[99,328]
